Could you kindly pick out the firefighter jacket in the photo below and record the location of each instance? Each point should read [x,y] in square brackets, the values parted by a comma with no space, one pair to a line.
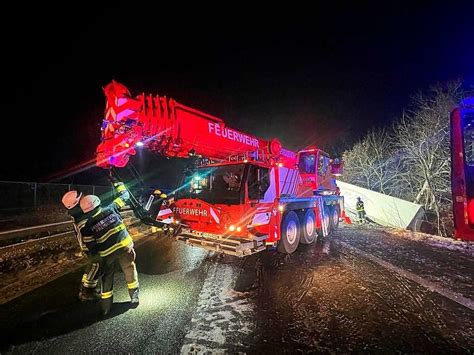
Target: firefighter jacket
[360,206]
[104,230]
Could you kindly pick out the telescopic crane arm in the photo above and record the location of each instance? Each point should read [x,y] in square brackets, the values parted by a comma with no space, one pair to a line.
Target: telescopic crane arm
[173,130]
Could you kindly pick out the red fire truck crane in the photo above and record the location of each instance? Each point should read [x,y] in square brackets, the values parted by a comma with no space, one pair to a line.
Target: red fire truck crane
[245,193]
[462,168]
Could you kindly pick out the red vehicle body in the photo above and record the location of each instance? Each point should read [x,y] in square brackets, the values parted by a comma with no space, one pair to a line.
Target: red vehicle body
[245,194]
[462,172]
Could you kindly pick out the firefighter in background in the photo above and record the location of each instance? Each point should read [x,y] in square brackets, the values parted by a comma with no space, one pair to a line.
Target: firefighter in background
[88,290]
[105,228]
[156,200]
[360,210]
[160,207]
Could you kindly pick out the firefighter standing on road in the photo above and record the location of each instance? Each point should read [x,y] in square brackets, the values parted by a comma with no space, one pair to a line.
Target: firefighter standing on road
[88,288]
[105,227]
[360,210]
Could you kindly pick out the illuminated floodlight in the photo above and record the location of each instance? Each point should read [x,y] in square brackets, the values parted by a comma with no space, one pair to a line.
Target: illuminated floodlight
[139,144]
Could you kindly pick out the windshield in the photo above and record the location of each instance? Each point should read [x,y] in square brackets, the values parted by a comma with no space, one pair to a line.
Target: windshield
[221,185]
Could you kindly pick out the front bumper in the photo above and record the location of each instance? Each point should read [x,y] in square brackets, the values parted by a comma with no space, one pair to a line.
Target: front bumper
[226,244]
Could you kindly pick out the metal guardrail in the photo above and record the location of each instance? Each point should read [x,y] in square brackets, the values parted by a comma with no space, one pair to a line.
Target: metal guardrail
[33,242]
[29,231]
[24,232]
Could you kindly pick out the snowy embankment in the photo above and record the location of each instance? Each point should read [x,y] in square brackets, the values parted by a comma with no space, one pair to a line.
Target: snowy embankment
[436,241]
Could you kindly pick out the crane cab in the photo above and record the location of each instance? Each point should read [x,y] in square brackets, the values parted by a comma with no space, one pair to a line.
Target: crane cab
[317,171]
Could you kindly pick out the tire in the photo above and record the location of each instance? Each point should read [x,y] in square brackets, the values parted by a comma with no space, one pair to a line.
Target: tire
[290,233]
[326,221]
[333,217]
[308,227]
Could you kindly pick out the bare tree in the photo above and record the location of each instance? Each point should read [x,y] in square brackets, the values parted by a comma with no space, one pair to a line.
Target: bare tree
[423,141]
[372,164]
[412,161]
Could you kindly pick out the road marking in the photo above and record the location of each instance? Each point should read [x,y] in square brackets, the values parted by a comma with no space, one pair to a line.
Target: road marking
[223,316]
[453,296]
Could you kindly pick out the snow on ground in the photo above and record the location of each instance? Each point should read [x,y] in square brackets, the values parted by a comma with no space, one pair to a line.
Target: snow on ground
[436,241]
[445,263]
[223,315]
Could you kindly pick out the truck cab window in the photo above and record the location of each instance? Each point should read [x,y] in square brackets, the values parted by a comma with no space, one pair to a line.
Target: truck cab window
[258,182]
[323,165]
[221,184]
[307,163]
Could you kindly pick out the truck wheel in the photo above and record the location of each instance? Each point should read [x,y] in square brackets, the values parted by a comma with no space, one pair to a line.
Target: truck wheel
[308,227]
[334,217]
[325,220]
[290,233]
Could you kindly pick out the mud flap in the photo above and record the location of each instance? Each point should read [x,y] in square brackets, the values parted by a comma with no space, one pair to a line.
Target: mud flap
[345,217]
[324,226]
[324,216]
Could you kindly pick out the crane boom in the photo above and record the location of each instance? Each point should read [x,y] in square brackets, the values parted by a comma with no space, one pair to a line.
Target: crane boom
[173,130]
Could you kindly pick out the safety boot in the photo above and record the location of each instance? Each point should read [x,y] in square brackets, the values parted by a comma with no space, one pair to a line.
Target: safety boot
[88,294]
[106,305]
[134,293]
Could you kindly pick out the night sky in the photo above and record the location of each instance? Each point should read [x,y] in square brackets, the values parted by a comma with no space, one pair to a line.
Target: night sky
[321,76]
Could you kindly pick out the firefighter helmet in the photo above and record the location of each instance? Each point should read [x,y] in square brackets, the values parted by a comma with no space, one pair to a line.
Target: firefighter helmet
[71,199]
[89,202]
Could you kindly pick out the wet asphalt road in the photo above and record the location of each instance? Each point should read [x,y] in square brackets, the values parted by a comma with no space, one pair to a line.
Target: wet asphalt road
[325,298]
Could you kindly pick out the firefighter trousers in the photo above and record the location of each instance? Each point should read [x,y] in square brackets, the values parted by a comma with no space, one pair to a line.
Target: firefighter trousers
[126,260]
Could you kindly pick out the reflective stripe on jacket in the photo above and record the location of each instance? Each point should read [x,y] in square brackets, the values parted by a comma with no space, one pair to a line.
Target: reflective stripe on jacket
[105,227]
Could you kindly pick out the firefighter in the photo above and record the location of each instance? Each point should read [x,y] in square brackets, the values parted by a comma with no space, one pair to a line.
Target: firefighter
[158,199]
[360,210]
[105,227]
[88,290]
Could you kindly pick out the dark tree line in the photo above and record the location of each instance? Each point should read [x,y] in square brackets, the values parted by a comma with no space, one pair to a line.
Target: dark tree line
[411,160]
